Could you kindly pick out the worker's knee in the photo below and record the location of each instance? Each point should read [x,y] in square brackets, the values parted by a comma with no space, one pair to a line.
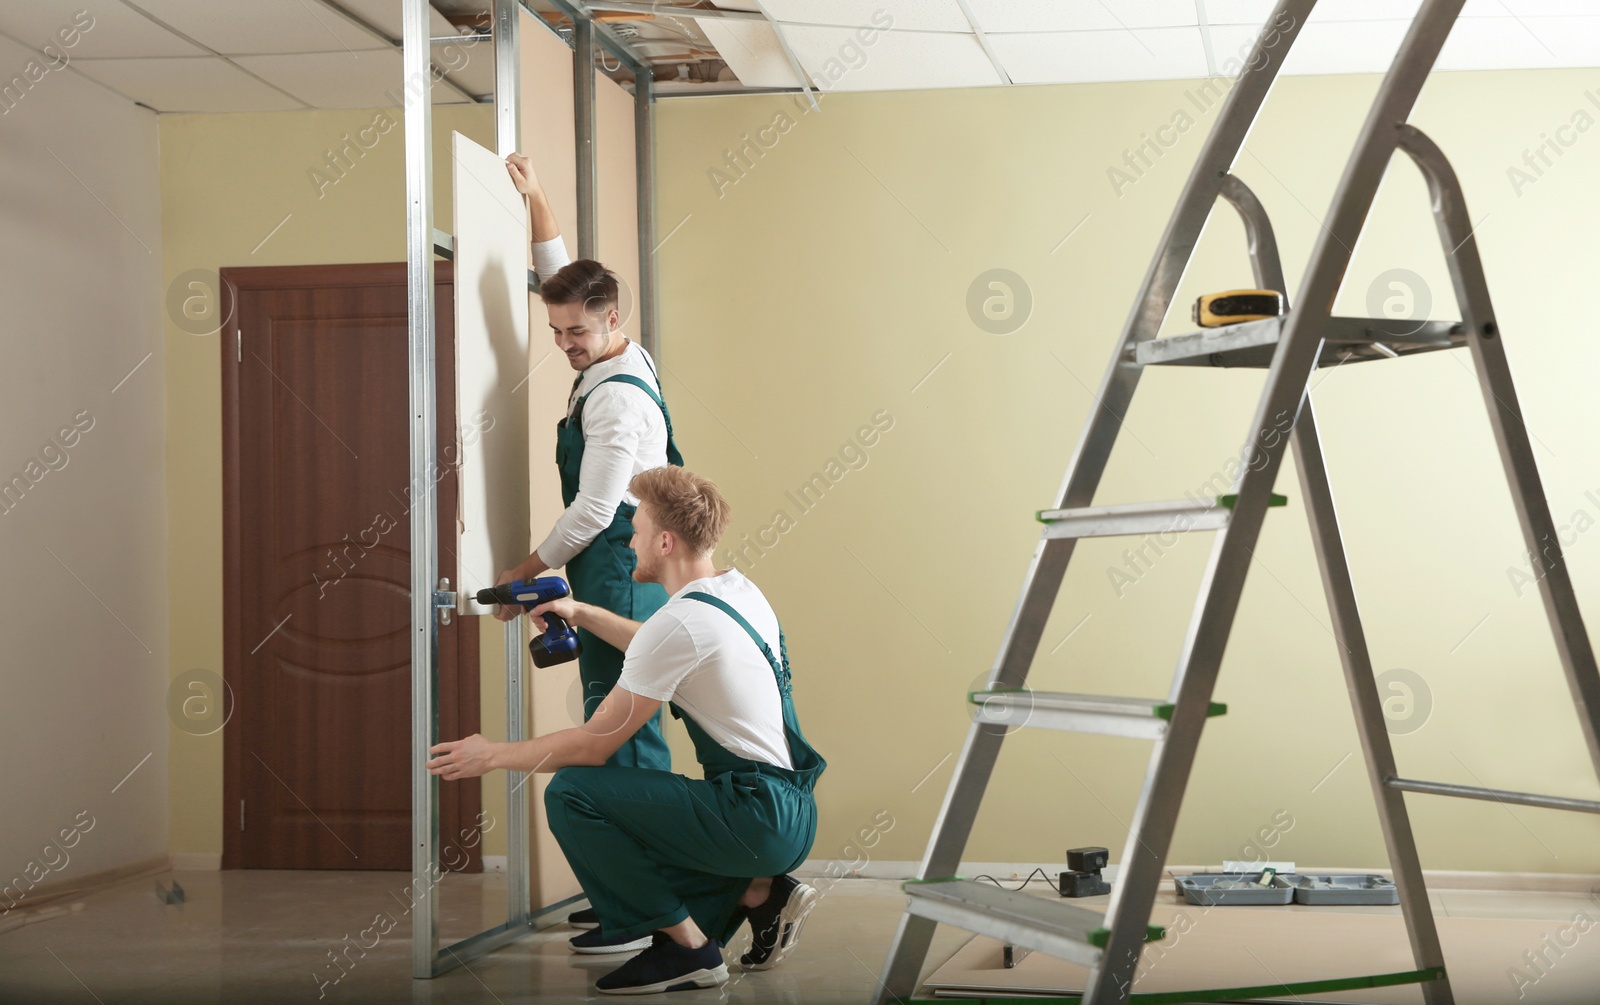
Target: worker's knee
[567,789]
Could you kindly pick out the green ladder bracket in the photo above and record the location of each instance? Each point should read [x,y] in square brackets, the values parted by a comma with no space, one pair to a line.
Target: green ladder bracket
[1100,936]
[1227,501]
[1215,994]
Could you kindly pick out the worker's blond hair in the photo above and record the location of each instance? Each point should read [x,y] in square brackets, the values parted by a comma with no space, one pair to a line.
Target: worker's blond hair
[682,502]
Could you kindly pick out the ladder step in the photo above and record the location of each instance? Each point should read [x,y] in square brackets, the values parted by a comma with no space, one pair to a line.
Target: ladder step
[1176,516]
[1015,917]
[1494,795]
[1348,340]
[1138,718]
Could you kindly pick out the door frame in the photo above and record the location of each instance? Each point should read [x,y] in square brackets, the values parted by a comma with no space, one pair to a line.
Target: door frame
[458,708]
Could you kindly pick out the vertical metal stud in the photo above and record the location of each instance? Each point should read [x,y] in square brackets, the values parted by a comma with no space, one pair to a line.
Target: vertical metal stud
[508,140]
[644,169]
[423,507]
[583,122]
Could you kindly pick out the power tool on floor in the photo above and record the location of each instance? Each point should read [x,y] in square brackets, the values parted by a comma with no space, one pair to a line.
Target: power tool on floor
[1082,878]
[559,643]
[1231,307]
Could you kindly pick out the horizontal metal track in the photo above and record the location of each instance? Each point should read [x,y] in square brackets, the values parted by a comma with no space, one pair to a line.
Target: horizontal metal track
[1494,795]
[1348,340]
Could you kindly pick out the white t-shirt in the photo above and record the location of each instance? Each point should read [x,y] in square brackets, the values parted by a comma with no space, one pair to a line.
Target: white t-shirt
[624,433]
[696,656]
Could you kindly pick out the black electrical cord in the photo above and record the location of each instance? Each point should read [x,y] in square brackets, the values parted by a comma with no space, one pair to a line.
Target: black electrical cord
[1042,874]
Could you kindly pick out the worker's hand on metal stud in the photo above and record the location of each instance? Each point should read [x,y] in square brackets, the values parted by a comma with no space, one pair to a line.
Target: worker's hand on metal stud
[520,167]
[468,757]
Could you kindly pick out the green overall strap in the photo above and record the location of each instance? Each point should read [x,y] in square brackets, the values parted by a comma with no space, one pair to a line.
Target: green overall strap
[640,383]
[674,456]
[778,671]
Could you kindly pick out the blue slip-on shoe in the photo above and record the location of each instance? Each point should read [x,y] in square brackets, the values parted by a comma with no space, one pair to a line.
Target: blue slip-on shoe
[666,966]
[596,942]
[775,924]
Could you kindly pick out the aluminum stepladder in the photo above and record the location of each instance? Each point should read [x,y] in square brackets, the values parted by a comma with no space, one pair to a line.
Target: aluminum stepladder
[1291,348]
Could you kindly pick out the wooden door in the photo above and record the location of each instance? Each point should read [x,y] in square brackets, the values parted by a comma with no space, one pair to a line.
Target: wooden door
[316,499]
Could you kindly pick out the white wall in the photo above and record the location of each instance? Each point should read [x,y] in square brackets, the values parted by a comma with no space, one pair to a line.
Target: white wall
[83,601]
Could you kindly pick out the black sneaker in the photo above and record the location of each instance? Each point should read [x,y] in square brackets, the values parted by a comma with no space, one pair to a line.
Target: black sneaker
[775,925]
[597,942]
[585,918]
[666,966]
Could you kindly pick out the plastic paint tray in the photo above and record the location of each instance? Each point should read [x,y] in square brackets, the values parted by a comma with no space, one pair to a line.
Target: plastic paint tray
[1333,890]
[1200,889]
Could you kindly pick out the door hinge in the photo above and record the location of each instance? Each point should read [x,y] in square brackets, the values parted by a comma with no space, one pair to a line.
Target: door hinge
[241,814]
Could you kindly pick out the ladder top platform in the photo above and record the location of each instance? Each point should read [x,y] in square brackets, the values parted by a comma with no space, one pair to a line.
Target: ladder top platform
[1348,340]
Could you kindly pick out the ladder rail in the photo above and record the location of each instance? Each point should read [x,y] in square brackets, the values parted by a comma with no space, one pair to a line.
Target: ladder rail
[1155,816]
[1048,566]
[1355,658]
[1510,432]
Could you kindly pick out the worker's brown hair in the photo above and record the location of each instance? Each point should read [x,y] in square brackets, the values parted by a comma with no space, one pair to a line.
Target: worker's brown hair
[585,282]
[685,504]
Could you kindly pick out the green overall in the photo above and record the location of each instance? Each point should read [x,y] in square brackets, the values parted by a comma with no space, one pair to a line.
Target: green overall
[602,574]
[652,848]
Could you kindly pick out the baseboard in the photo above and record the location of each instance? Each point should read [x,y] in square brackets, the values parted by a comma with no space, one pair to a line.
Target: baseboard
[196,861]
[77,886]
[494,863]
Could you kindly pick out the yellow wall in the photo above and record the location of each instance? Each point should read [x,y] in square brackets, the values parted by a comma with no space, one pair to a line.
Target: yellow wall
[226,182]
[826,283]
[822,287]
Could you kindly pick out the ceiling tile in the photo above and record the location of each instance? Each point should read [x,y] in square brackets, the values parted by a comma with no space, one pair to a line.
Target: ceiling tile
[1324,47]
[1256,12]
[111,29]
[385,16]
[751,51]
[341,79]
[902,15]
[1502,43]
[1077,15]
[262,26]
[1073,56]
[1526,8]
[893,60]
[206,84]
[470,64]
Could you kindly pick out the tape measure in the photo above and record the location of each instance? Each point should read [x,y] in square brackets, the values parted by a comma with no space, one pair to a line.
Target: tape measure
[1235,306]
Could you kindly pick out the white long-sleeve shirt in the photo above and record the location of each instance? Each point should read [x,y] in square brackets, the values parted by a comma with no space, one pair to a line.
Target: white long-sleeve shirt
[624,433]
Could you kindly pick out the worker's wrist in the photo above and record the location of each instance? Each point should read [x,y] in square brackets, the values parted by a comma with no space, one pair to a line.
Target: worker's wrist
[499,755]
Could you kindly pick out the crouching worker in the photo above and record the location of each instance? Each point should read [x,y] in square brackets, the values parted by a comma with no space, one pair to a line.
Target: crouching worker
[678,864]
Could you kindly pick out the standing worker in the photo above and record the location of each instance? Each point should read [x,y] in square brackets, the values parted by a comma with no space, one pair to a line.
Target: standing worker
[616,426]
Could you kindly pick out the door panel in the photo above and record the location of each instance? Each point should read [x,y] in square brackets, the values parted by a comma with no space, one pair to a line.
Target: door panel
[316,515]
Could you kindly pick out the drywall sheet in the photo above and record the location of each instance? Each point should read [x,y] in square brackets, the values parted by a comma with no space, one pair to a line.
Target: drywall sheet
[549,139]
[617,195]
[491,279]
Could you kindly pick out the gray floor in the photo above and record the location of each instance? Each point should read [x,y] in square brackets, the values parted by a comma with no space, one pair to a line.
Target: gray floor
[247,937]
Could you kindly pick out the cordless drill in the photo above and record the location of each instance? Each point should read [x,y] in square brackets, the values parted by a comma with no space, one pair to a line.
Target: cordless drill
[559,643]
